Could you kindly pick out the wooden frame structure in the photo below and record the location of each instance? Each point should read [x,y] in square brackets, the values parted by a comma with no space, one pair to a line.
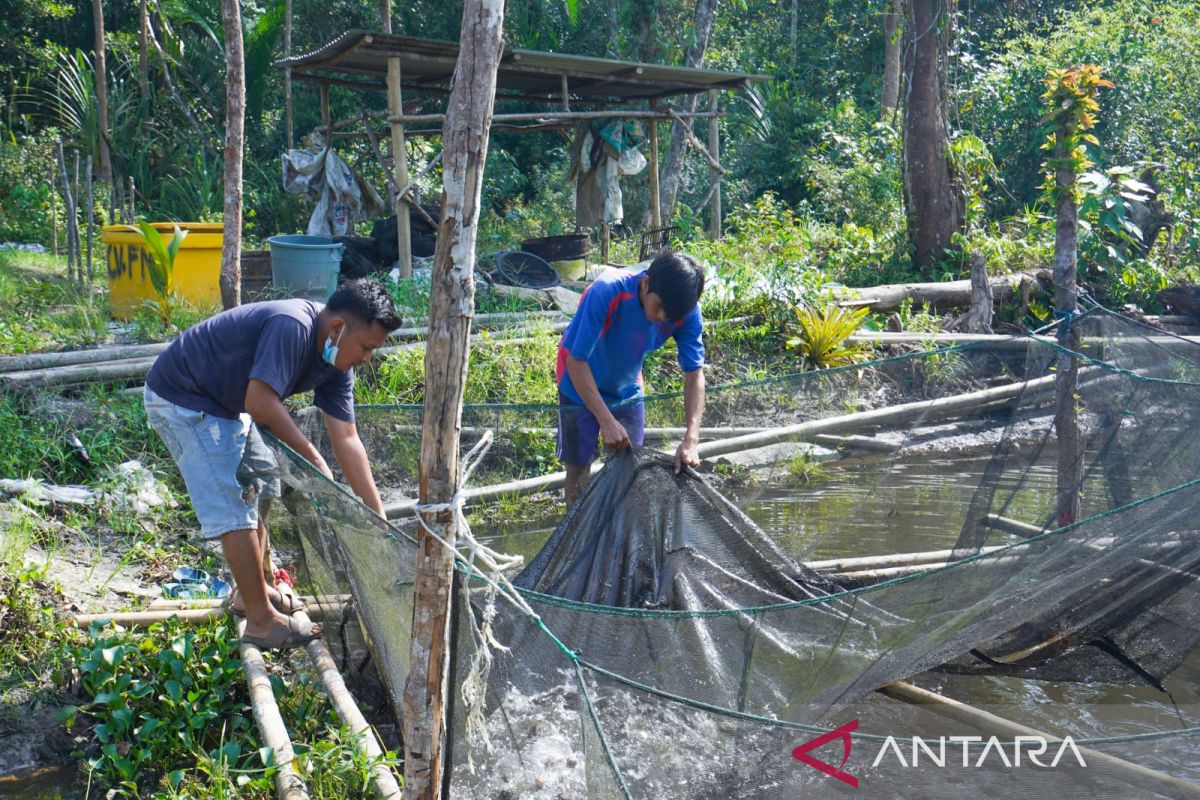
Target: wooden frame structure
[573,88]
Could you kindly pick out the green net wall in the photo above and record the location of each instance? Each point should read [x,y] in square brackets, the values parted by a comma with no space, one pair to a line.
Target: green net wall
[692,630]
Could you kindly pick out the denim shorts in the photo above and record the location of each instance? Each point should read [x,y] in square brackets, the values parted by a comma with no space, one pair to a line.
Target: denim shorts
[225,463]
[578,430]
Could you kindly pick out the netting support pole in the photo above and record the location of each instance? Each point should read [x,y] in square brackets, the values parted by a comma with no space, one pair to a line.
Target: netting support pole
[451,308]
[1066,420]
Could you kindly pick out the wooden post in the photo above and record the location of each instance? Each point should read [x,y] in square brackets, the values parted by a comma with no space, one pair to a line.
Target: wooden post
[91,223]
[326,125]
[68,211]
[78,274]
[652,158]
[714,174]
[132,201]
[105,165]
[53,215]
[1066,422]
[287,74]
[400,169]
[605,237]
[451,306]
[566,95]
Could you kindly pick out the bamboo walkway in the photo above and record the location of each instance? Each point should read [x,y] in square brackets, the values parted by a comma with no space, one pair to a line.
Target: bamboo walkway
[289,783]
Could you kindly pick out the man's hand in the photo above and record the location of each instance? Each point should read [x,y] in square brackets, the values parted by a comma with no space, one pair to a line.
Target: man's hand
[614,434]
[319,462]
[687,453]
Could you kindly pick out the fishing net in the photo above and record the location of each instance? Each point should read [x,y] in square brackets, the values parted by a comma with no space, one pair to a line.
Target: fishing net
[680,635]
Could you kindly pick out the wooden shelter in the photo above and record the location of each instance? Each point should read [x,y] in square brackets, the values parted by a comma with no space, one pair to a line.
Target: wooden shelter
[571,88]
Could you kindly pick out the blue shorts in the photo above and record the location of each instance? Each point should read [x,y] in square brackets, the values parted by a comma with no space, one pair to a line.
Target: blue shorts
[225,463]
[579,430]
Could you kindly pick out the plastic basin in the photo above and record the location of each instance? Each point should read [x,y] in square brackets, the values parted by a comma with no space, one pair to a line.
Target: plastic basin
[305,266]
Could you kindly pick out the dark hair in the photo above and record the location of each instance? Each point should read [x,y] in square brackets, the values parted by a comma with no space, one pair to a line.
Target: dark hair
[678,280]
[366,300]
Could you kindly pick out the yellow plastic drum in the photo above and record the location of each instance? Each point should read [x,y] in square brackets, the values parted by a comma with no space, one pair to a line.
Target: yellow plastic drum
[197,266]
[573,270]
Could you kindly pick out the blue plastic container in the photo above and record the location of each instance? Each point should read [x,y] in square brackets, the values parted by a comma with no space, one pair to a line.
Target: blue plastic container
[305,266]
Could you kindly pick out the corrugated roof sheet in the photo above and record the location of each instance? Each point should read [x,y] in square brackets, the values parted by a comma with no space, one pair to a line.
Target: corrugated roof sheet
[428,64]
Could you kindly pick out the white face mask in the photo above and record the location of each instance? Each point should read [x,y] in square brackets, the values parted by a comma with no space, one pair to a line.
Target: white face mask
[329,354]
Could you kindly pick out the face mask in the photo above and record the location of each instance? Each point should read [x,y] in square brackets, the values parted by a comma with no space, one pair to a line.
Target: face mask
[329,354]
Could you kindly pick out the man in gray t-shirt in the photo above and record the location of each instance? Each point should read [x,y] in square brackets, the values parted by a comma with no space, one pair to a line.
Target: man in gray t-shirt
[222,379]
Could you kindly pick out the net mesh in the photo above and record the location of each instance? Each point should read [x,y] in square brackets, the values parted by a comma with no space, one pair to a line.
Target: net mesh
[690,630]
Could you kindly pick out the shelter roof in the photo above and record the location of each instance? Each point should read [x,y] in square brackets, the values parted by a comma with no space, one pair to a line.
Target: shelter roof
[427,65]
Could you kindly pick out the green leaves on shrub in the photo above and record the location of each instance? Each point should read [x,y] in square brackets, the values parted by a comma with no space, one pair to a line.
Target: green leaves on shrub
[820,336]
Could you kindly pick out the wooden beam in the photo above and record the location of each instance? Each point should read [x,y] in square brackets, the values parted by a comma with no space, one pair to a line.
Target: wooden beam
[553,116]
[326,125]
[399,167]
[715,172]
[451,306]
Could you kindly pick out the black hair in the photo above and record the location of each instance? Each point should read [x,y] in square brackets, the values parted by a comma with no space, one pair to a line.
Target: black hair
[678,280]
[366,300]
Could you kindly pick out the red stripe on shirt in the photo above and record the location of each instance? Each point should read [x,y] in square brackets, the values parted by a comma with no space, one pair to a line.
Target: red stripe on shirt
[612,309]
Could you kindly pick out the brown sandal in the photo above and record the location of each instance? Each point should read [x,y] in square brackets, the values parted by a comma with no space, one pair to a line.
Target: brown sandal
[284,602]
[294,634]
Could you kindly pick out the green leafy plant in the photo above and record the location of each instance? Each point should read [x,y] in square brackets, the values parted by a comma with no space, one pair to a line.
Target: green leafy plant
[162,264]
[820,336]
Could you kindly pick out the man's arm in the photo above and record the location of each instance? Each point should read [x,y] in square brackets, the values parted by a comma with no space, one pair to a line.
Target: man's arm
[693,408]
[614,434]
[352,458]
[268,412]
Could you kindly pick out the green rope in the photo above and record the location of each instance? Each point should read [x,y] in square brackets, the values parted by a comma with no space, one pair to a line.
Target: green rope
[599,728]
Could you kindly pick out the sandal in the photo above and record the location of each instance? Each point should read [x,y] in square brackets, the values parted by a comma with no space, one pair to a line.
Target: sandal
[294,634]
[284,602]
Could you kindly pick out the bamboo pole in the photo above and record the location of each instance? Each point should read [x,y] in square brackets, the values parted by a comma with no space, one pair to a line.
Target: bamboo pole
[890,415]
[889,560]
[287,75]
[1135,774]
[289,785]
[53,215]
[451,306]
[201,612]
[81,373]
[320,600]
[386,787]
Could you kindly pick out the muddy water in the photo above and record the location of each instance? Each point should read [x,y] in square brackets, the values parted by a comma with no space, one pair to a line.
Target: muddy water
[919,505]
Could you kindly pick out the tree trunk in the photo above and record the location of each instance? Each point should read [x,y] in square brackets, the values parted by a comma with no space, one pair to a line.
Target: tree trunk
[891,57]
[235,119]
[935,208]
[979,318]
[613,49]
[143,49]
[1066,421]
[706,12]
[104,168]
[451,307]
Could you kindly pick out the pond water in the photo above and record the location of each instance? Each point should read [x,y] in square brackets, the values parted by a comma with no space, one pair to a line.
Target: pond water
[919,504]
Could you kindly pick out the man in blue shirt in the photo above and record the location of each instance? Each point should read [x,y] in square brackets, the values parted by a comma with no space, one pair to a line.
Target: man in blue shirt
[221,380]
[620,319]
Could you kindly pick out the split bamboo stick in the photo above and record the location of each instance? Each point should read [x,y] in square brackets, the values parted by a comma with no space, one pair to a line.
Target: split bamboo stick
[136,619]
[1135,774]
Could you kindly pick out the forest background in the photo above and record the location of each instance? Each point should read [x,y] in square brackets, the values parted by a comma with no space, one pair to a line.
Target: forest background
[815,159]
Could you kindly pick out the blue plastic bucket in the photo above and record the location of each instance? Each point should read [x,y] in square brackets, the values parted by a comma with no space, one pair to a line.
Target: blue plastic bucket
[305,266]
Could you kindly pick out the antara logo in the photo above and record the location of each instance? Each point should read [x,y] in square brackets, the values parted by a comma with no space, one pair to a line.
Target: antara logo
[934,752]
[843,733]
